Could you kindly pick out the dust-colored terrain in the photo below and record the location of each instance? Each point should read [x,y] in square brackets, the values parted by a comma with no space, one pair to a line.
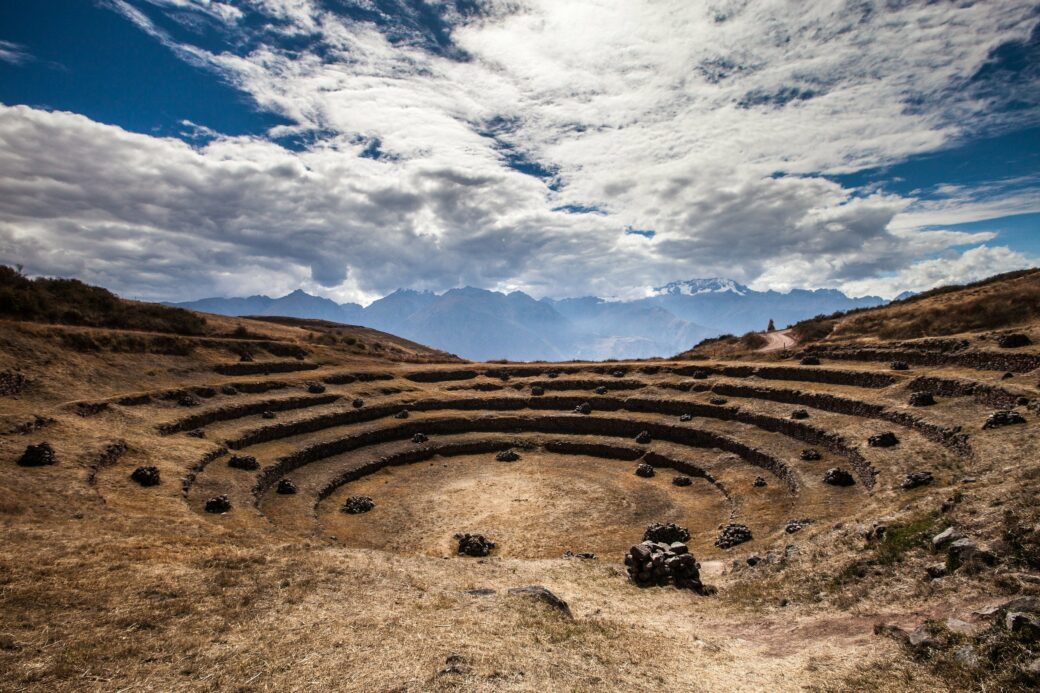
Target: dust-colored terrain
[106,584]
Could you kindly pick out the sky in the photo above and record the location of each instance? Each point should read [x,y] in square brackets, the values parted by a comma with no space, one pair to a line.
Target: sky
[178,149]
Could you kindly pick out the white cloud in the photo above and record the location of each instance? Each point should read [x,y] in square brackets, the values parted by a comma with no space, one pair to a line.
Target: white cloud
[669,115]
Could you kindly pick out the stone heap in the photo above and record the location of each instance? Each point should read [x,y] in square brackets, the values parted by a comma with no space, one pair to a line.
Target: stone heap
[474,544]
[1003,418]
[836,476]
[657,564]
[356,505]
[731,535]
[37,456]
[146,476]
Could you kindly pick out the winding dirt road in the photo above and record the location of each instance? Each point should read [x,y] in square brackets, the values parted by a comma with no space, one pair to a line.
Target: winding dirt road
[779,340]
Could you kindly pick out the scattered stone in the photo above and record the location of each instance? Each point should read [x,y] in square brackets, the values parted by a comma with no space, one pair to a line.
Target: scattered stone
[643,438]
[810,454]
[1003,417]
[474,544]
[682,480]
[403,414]
[799,414]
[836,476]
[733,534]
[946,537]
[653,563]
[37,456]
[197,433]
[685,417]
[507,456]
[38,422]
[810,361]
[797,525]
[899,366]
[916,479]
[228,390]
[542,594]
[644,470]
[717,401]
[218,505]
[355,505]
[358,403]
[965,553]
[286,487]
[267,414]
[583,408]
[188,400]
[420,438]
[601,390]
[146,476]
[668,533]
[936,571]
[759,482]
[244,462]
[922,399]
[315,388]
[883,440]
[537,390]
[1013,341]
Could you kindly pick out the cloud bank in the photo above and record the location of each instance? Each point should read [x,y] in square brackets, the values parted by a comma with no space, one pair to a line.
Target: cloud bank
[561,148]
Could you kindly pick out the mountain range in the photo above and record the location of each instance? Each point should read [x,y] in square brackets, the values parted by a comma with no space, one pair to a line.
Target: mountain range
[481,325]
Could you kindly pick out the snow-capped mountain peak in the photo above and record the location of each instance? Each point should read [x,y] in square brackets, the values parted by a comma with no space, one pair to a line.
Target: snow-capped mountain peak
[693,287]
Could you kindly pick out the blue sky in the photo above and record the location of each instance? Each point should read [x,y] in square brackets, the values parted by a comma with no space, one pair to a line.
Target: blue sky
[180,148]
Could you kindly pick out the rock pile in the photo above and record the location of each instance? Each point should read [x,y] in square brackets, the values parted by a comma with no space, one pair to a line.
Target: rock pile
[403,414]
[358,403]
[915,479]
[665,533]
[188,400]
[922,399]
[836,476]
[537,390]
[507,456]
[657,564]
[419,438]
[583,408]
[355,505]
[797,525]
[681,480]
[685,417]
[899,366]
[316,388]
[731,535]
[601,390]
[810,361]
[197,433]
[244,462]
[799,414]
[1013,341]
[146,476]
[229,390]
[474,544]
[717,401]
[37,456]
[759,482]
[644,470]
[218,504]
[883,440]
[1003,417]
[267,414]
[643,438]
[810,454]
[286,487]
[585,555]
[700,375]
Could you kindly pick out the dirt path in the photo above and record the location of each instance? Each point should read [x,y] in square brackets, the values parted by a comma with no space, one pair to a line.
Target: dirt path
[779,340]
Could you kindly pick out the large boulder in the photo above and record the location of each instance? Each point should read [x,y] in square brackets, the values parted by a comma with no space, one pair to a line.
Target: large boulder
[37,456]
[733,534]
[474,544]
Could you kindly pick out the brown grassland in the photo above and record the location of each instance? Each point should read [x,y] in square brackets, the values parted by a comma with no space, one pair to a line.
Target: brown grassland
[108,585]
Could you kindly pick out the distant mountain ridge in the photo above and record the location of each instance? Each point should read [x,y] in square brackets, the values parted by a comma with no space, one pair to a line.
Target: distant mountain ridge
[482,325]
